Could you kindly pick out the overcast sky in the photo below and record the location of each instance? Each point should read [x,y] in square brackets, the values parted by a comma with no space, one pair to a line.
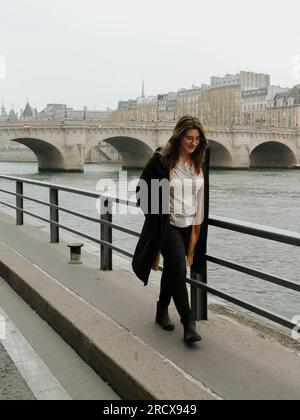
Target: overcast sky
[94,52]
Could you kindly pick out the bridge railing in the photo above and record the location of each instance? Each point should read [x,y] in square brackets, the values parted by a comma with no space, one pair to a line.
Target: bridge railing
[199,285]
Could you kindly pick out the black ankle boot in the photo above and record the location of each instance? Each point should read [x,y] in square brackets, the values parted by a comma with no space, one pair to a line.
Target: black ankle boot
[162,317]
[190,332]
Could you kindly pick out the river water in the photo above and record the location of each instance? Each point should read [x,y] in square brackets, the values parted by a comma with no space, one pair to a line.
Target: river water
[266,197]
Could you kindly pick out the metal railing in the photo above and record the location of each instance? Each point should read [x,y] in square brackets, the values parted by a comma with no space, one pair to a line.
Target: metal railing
[199,284]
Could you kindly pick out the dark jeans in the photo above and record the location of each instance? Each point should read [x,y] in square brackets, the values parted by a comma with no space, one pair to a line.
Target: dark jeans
[173,279]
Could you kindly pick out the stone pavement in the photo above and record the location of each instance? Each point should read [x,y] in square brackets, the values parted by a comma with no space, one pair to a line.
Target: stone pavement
[12,385]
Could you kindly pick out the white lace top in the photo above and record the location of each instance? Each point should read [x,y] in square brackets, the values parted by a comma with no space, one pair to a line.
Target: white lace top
[186,196]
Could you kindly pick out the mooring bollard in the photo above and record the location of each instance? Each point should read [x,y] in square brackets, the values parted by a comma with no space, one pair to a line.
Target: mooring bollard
[75,253]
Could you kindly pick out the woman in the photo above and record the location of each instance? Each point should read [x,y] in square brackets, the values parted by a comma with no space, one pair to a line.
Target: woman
[175,234]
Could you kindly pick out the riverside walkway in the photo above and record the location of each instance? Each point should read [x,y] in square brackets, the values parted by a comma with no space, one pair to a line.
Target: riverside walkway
[239,357]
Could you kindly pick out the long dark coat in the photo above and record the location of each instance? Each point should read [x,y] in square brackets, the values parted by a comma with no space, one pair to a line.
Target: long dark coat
[153,235]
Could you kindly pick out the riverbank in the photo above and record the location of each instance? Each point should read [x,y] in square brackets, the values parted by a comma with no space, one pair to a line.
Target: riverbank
[236,359]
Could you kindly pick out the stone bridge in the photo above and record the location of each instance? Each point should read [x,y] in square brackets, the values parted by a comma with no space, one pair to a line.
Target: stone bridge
[63,145]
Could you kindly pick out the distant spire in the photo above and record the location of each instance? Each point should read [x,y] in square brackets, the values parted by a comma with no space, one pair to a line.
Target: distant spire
[3,110]
[143,89]
[28,112]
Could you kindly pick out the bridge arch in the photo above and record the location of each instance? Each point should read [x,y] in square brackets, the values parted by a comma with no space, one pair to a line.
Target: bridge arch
[48,156]
[134,152]
[272,154]
[220,155]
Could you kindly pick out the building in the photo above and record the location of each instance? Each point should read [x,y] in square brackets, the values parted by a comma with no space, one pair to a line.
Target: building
[225,81]
[229,102]
[142,109]
[29,113]
[284,112]
[12,116]
[250,80]
[246,79]
[288,97]
[188,101]
[254,103]
[222,102]
[83,114]
[146,110]
[61,111]
[126,111]
[167,105]
[51,111]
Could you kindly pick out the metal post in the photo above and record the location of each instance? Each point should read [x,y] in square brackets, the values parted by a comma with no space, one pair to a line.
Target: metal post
[106,235]
[75,253]
[54,216]
[199,296]
[19,204]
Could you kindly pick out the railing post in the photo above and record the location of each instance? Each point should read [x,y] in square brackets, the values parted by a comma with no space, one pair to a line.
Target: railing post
[106,235]
[54,216]
[19,204]
[199,296]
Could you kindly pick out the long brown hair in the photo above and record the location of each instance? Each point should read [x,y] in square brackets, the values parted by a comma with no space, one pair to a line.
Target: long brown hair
[172,150]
